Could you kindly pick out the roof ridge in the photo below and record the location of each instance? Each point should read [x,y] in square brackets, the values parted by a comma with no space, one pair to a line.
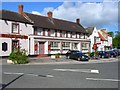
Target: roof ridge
[53,18]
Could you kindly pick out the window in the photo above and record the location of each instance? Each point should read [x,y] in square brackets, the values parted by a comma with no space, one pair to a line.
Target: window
[84,45]
[63,34]
[52,33]
[54,44]
[77,35]
[69,34]
[15,28]
[82,36]
[74,35]
[75,45]
[58,33]
[4,46]
[65,44]
[39,31]
[15,44]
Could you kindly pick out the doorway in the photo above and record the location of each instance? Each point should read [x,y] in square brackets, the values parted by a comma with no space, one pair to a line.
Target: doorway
[41,47]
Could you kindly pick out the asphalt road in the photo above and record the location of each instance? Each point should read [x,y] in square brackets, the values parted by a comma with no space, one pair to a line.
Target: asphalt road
[92,75]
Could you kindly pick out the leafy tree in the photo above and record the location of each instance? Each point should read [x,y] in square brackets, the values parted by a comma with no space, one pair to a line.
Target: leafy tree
[111,34]
[116,40]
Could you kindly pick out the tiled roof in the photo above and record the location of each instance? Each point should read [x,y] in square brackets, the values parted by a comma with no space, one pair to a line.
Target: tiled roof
[101,36]
[42,21]
[45,22]
[12,16]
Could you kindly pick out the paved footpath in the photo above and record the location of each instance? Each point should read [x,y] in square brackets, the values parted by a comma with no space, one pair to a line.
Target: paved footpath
[63,60]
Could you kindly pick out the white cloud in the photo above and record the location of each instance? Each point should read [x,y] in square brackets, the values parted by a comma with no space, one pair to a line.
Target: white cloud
[35,12]
[90,14]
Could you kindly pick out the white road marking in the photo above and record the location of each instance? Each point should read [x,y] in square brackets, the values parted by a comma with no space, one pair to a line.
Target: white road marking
[49,76]
[95,71]
[79,70]
[10,73]
[13,73]
[32,75]
[98,79]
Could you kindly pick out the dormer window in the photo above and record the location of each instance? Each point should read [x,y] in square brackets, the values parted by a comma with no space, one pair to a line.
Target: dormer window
[63,34]
[52,32]
[15,28]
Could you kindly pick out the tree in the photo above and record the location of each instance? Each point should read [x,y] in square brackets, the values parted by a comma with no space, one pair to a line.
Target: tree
[116,40]
[111,34]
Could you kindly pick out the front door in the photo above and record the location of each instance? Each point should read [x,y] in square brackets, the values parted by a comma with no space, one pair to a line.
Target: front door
[15,44]
[41,47]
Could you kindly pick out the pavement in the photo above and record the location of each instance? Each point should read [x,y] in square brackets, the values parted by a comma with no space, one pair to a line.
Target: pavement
[62,60]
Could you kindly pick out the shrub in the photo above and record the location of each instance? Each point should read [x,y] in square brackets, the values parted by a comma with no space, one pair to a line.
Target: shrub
[88,53]
[19,56]
[91,54]
[96,53]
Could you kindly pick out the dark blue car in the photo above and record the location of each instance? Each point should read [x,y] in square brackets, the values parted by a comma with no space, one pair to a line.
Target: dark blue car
[113,54]
[70,52]
[79,56]
[103,54]
[117,51]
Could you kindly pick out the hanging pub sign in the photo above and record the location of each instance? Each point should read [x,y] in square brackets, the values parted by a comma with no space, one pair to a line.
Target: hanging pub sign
[14,36]
[95,46]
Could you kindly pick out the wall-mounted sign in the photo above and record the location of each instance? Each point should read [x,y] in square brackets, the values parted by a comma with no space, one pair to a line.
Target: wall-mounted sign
[14,36]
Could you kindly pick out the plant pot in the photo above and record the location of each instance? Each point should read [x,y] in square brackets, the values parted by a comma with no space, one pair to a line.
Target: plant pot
[52,56]
[10,62]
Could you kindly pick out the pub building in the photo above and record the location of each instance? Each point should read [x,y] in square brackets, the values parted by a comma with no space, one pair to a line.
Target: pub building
[40,34]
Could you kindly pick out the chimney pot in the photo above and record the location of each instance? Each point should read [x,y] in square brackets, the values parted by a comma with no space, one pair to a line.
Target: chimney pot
[49,14]
[78,21]
[20,9]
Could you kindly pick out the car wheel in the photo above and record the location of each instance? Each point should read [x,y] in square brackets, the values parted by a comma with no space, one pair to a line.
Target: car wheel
[102,56]
[78,58]
[99,56]
[111,56]
[68,57]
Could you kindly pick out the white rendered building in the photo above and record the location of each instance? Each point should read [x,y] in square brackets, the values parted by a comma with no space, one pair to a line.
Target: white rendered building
[39,34]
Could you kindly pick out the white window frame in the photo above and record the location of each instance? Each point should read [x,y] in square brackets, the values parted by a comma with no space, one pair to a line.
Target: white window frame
[63,34]
[52,33]
[39,31]
[15,28]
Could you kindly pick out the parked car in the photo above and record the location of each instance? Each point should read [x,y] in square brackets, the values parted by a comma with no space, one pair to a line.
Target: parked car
[112,53]
[103,54]
[117,51]
[79,56]
[70,52]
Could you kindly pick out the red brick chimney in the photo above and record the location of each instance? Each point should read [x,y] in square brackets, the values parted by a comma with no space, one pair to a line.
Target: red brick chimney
[78,21]
[49,14]
[20,9]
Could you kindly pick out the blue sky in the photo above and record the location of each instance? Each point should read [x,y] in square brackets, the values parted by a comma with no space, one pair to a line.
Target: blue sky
[30,6]
[100,15]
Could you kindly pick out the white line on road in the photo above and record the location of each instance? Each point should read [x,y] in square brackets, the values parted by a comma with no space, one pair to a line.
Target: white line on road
[30,74]
[13,73]
[49,76]
[79,70]
[98,79]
